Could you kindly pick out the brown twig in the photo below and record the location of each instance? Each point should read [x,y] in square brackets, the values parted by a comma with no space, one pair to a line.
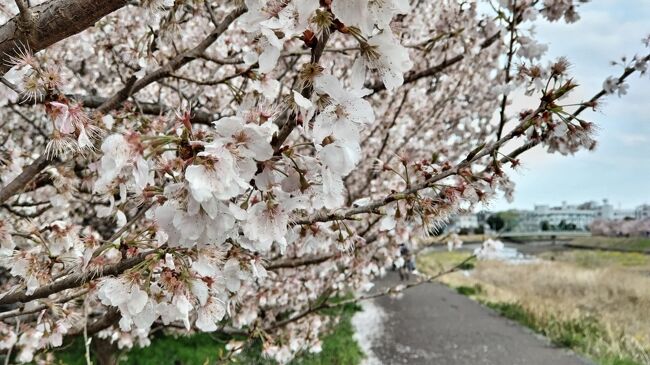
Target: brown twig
[297,262]
[508,67]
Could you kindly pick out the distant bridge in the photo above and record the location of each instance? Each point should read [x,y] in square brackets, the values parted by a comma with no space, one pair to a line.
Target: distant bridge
[545,234]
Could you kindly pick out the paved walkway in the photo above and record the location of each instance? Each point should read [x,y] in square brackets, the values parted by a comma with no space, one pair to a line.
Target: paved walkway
[431,324]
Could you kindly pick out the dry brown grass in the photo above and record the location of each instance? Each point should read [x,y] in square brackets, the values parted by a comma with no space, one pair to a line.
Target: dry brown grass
[612,290]
[639,244]
[618,297]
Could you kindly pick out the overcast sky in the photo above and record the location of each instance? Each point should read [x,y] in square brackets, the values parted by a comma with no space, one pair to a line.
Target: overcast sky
[619,169]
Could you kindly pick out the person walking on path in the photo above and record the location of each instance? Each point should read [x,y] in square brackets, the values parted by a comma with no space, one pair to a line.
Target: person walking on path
[408,264]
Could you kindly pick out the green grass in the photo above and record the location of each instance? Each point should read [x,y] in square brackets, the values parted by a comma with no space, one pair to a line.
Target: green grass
[443,260]
[533,239]
[339,348]
[469,290]
[618,243]
[197,349]
[165,349]
[513,311]
[583,335]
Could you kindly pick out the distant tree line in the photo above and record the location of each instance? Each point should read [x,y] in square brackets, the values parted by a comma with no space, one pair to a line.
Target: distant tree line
[503,221]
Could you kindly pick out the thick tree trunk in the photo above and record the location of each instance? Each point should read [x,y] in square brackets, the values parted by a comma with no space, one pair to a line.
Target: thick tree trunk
[52,21]
[106,353]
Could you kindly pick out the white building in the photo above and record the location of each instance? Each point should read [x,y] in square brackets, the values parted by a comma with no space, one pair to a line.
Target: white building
[579,216]
[467,221]
[463,221]
[642,211]
[566,214]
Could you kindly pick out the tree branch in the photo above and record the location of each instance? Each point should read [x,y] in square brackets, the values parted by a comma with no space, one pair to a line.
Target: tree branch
[26,17]
[23,311]
[173,65]
[594,99]
[74,281]
[373,207]
[52,21]
[298,262]
[94,102]
[414,76]
[508,67]
[291,123]
[21,181]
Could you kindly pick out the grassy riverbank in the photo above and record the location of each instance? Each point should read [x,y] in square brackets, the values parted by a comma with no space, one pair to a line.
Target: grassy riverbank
[639,244]
[594,302]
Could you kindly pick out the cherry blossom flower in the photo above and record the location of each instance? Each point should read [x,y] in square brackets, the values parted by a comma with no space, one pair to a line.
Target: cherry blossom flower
[267,86]
[217,177]
[267,223]
[489,249]
[293,18]
[347,113]
[387,56]
[209,315]
[365,14]
[612,85]
[252,141]
[61,116]
[116,154]
[267,53]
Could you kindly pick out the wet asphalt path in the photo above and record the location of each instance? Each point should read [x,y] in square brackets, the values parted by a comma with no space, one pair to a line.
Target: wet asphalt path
[431,324]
